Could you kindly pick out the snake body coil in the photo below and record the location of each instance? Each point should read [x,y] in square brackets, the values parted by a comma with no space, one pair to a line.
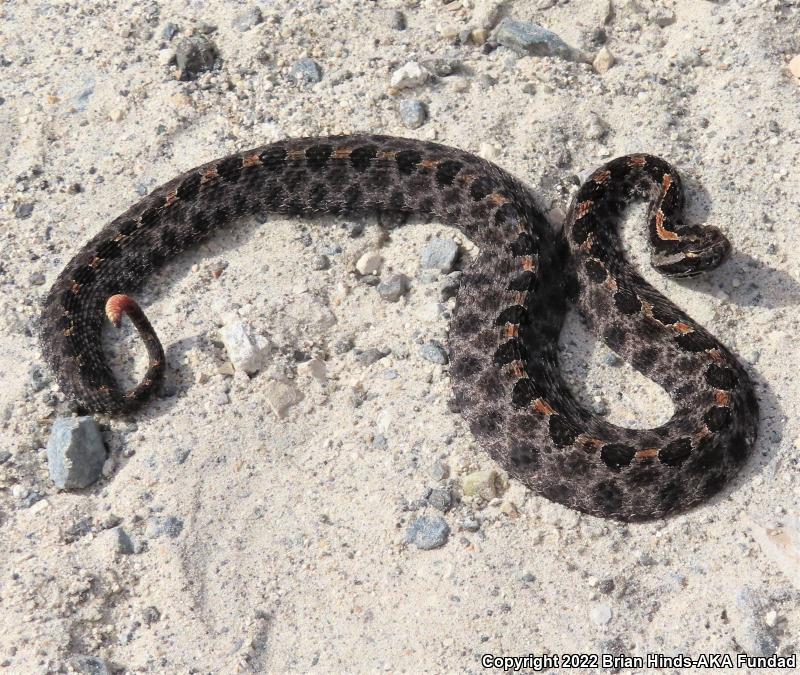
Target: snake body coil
[510,307]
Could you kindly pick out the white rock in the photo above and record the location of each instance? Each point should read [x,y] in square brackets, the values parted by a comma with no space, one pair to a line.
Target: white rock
[281,396]
[369,263]
[771,618]
[603,61]
[794,66]
[600,614]
[487,13]
[247,350]
[314,368]
[408,76]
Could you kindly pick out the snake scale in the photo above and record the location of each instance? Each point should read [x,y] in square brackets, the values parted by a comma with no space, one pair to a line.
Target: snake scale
[504,333]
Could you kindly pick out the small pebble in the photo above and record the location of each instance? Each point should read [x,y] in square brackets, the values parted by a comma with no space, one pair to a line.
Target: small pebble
[23,210]
[397,20]
[408,76]
[75,453]
[369,263]
[529,38]
[195,55]
[428,532]
[440,471]
[794,66]
[440,499]
[158,526]
[306,71]
[370,356]
[600,614]
[450,285]
[481,484]
[320,262]
[434,352]
[121,542]
[246,349]
[440,254]
[393,288]
[88,665]
[248,18]
[603,61]
[281,396]
[413,113]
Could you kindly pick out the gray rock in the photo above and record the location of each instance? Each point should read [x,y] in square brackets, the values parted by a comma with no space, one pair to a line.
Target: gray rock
[23,210]
[305,71]
[370,356]
[440,470]
[450,285]
[342,346]
[158,526]
[5,455]
[195,55]
[428,532]
[169,31]
[397,20]
[440,499]
[529,38]
[393,288]
[320,262]
[434,352]
[413,113]
[121,541]
[440,254]
[75,453]
[380,442]
[248,18]
[89,665]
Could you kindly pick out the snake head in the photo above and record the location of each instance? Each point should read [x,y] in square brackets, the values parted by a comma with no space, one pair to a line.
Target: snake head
[703,251]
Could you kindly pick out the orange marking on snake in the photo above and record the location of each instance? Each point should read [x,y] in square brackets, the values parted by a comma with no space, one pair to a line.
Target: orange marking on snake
[637,160]
[601,177]
[496,199]
[666,183]
[171,198]
[528,263]
[661,231]
[117,305]
[75,288]
[209,175]
[386,154]
[511,330]
[682,327]
[429,163]
[519,297]
[96,262]
[342,153]
[517,369]
[542,406]
[296,153]
[583,208]
[716,355]
[647,453]
[722,398]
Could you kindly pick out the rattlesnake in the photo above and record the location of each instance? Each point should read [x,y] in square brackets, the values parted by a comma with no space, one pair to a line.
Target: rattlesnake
[510,307]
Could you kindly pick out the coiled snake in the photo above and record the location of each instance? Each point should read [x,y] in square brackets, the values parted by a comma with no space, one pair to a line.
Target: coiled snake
[510,307]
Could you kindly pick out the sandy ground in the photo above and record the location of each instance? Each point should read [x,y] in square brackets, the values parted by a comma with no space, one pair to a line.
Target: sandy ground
[267,543]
